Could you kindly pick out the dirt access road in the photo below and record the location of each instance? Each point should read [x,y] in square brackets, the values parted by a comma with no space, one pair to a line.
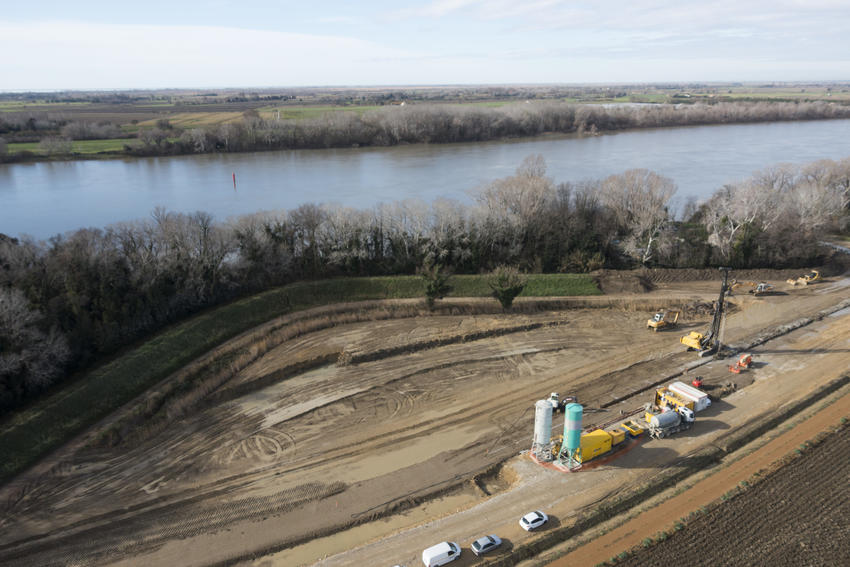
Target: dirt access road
[320,452]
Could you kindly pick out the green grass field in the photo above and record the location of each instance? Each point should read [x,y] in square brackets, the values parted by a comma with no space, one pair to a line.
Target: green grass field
[39,105]
[29,434]
[195,119]
[82,147]
[306,112]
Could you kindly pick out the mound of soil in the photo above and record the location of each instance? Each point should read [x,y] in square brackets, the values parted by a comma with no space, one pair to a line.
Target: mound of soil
[622,281]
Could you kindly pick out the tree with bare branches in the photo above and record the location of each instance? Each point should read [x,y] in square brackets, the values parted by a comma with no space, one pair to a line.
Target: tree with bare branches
[639,199]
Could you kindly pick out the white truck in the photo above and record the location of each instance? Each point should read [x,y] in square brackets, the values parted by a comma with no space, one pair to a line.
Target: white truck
[700,398]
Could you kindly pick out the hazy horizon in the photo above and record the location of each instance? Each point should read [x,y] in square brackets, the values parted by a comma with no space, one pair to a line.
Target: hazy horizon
[98,45]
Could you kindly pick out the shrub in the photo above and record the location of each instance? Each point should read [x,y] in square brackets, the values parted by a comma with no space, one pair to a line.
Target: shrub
[506,282]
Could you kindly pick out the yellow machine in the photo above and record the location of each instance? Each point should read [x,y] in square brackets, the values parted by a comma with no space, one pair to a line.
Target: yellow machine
[756,288]
[693,340]
[594,444]
[709,343]
[664,397]
[632,428]
[599,442]
[811,277]
[664,319]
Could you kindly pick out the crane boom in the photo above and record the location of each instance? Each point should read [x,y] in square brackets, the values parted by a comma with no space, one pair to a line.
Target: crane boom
[709,343]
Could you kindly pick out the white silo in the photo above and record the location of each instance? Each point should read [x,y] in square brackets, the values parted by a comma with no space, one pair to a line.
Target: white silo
[541,445]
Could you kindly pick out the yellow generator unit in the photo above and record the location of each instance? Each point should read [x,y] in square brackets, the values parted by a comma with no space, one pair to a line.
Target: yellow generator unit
[617,436]
[594,444]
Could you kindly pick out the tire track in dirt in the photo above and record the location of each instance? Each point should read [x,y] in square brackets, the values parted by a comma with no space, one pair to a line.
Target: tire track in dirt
[376,443]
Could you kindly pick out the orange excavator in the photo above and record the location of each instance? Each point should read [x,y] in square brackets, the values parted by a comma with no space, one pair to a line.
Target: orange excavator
[743,363]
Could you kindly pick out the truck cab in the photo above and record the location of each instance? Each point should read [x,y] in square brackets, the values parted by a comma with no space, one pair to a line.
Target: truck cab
[686,413]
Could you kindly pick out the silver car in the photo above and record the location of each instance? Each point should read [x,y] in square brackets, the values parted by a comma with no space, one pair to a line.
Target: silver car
[485,544]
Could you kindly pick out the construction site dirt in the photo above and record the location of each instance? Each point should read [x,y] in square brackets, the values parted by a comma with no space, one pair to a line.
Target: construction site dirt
[420,443]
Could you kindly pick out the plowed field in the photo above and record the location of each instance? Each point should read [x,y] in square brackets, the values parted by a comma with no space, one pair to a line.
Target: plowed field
[799,515]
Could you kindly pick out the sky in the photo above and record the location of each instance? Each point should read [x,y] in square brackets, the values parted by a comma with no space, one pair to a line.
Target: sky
[55,45]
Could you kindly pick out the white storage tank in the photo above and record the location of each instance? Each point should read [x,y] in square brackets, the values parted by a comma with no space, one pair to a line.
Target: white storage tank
[542,423]
[700,398]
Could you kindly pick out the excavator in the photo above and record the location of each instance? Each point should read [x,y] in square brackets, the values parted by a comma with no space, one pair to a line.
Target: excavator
[756,288]
[709,343]
[805,280]
[664,319]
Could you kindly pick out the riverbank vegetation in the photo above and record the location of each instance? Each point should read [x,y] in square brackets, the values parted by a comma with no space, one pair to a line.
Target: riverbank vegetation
[68,126]
[67,303]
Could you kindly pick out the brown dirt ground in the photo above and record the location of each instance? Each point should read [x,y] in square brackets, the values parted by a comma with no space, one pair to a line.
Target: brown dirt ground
[306,459]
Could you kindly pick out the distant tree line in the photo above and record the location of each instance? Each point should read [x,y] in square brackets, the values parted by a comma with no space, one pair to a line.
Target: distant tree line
[437,124]
[74,298]
[409,124]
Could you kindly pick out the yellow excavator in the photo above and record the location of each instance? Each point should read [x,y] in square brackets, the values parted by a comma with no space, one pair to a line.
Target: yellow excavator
[664,319]
[709,342]
[811,277]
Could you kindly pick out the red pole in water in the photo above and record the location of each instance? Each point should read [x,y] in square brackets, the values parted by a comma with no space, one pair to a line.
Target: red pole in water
[234,180]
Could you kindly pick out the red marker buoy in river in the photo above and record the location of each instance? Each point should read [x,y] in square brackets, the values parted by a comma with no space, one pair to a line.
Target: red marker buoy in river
[234,180]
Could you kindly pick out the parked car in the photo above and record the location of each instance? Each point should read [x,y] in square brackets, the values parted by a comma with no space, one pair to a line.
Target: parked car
[485,544]
[533,520]
[440,554]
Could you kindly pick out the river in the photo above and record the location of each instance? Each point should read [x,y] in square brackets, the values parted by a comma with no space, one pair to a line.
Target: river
[43,199]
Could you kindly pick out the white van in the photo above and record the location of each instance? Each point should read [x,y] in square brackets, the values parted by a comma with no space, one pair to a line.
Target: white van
[440,554]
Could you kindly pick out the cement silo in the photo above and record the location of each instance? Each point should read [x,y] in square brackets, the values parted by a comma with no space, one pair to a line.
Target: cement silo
[572,434]
[541,445]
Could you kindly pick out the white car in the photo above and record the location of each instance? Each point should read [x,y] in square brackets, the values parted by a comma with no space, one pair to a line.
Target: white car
[485,544]
[533,520]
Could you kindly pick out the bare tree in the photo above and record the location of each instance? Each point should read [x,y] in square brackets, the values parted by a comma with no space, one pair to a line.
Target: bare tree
[197,138]
[153,137]
[519,198]
[639,199]
[509,209]
[56,146]
[307,219]
[28,354]
[736,210]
